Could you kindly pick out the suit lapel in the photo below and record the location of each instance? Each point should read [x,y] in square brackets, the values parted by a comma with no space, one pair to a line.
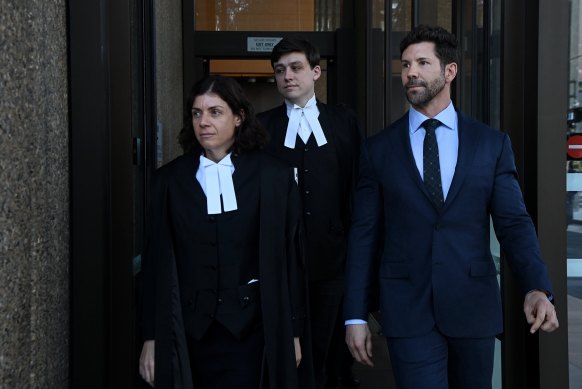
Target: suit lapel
[408,157]
[467,151]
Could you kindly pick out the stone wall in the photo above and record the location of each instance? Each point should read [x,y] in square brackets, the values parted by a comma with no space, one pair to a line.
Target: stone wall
[34,195]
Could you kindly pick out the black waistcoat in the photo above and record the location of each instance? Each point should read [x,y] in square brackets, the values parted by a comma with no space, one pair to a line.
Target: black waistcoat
[216,281]
[324,204]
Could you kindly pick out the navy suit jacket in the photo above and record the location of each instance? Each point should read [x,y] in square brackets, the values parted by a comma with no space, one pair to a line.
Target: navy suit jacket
[435,268]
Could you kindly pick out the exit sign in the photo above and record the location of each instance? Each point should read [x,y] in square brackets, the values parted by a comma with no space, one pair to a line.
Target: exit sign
[261,44]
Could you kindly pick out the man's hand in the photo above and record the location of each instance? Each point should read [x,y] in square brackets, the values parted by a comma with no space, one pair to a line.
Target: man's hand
[146,362]
[297,351]
[359,340]
[540,312]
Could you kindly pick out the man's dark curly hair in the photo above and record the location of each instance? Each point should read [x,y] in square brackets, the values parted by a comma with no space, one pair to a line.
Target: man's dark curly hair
[250,135]
[445,43]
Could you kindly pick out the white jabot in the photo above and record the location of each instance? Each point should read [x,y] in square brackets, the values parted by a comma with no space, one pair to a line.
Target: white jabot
[216,180]
[303,122]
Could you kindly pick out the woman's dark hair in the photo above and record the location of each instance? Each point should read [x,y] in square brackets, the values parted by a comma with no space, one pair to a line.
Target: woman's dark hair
[295,45]
[445,43]
[250,135]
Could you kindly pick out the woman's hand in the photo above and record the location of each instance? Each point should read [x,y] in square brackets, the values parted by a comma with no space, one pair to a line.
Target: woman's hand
[146,362]
[297,351]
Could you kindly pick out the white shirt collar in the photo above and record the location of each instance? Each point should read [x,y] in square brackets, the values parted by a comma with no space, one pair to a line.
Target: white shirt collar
[312,102]
[216,181]
[448,117]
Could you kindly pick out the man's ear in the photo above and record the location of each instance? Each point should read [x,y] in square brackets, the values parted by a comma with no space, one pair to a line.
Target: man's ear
[316,72]
[450,72]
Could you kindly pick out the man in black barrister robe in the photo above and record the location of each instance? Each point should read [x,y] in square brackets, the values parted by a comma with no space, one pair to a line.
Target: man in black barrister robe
[321,142]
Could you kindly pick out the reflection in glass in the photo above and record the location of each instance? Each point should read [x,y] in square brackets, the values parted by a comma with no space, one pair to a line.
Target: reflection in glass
[327,15]
[401,15]
[268,15]
[378,14]
[574,201]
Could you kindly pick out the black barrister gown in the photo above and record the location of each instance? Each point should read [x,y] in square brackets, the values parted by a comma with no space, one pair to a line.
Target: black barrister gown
[281,272]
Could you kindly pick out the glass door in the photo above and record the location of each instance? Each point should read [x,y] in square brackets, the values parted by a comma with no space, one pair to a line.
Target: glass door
[236,38]
[574,198]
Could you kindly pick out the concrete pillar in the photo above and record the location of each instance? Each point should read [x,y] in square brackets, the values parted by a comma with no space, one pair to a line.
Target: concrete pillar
[34,195]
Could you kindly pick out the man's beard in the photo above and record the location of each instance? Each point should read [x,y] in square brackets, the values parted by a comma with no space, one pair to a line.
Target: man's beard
[423,97]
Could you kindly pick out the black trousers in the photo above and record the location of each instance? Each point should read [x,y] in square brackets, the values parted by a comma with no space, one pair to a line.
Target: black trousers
[221,361]
[325,299]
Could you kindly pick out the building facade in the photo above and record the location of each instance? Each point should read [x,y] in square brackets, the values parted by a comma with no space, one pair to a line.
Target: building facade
[92,100]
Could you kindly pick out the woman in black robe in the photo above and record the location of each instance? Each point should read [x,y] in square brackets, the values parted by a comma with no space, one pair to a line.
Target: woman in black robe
[224,290]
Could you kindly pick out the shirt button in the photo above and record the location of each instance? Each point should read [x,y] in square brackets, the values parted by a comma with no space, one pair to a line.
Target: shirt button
[305,170]
[219,300]
[306,192]
[308,213]
[306,149]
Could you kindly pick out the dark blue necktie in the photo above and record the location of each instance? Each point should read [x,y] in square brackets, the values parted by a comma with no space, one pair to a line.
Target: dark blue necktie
[431,165]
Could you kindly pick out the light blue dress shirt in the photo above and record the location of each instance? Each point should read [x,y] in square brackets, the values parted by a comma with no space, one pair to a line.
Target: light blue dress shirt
[447,136]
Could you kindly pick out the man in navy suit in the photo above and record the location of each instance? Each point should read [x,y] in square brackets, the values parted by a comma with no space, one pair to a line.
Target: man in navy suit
[427,202]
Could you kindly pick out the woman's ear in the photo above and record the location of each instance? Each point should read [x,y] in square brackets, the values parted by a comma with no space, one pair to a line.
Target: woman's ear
[240,118]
